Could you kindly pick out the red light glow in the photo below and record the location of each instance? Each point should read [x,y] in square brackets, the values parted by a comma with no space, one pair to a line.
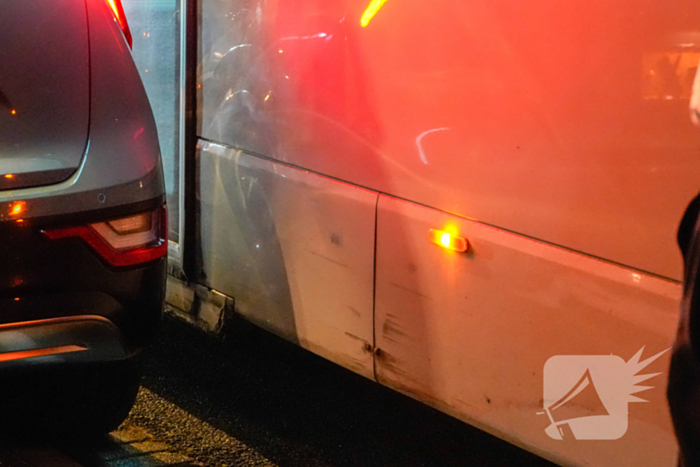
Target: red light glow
[116,7]
[22,354]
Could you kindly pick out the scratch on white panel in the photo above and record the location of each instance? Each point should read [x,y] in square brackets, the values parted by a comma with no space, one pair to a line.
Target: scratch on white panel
[320,35]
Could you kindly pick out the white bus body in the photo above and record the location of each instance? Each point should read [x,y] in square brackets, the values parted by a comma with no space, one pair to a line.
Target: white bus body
[553,136]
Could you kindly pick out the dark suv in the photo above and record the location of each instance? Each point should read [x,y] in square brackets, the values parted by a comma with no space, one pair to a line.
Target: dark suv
[82,216]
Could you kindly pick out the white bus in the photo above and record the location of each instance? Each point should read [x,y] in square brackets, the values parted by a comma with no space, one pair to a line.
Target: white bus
[472,202]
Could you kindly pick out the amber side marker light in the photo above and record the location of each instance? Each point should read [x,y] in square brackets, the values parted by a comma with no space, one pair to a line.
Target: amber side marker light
[448,240]
[17,208]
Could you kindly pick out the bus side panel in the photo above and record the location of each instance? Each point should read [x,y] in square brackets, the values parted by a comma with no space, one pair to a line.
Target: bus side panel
[565,121]
[470,333]
[295,250]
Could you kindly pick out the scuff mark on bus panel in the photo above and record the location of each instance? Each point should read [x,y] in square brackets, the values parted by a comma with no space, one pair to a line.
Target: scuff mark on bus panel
[470,333]
[294,249]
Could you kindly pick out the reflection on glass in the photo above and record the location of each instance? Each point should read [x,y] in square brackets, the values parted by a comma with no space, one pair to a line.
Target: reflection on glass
[668,75]
[155,27]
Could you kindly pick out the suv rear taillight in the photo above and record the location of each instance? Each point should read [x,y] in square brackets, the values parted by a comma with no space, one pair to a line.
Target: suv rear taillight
[116,6]
[125,241]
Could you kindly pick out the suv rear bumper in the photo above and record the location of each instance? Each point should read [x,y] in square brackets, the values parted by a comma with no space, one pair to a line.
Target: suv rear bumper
[57,341]
[67,282]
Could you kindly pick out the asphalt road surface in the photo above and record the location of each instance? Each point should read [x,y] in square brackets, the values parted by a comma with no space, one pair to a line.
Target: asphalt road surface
[255,400]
